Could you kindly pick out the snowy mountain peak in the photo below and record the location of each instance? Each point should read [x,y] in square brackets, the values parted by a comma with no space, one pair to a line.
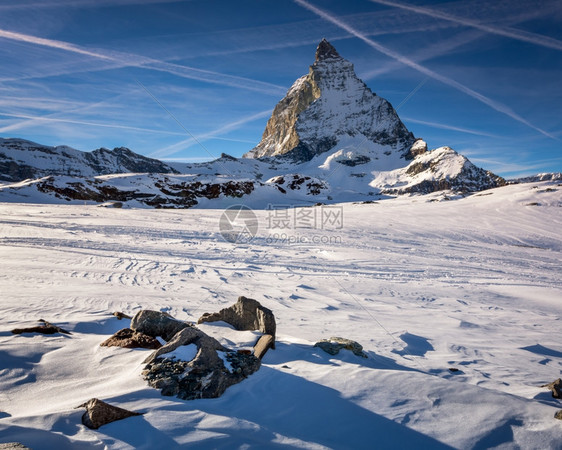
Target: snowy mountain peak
[325,50]
[326,107]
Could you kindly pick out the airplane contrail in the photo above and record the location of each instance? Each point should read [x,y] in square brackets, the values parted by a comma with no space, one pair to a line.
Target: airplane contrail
[182,145]
[513,33]
[430,73]
[129,59]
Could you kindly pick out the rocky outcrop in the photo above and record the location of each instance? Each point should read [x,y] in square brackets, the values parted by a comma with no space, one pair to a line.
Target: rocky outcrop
[558,415]
[128,338]
[326,105]
[212,369]
[245,314]
[157,323]
[297,182]
[99,413]
[13,446]
[418,148]
[174,192]
[555,387]
[44,328]
[333,346]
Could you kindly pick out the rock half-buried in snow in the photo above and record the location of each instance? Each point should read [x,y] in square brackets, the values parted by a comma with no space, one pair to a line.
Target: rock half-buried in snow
[194,365]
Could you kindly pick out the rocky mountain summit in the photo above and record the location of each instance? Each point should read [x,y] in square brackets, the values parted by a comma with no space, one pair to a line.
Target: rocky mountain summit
[330,139]
[324,107]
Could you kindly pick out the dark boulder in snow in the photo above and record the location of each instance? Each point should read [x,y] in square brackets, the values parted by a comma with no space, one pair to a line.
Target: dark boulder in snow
[99,413]
[205,370]
[555,387]
[44,328]
[558,415]
[335,344]
[157,323]
[245,314]
[128,338]
[121,315]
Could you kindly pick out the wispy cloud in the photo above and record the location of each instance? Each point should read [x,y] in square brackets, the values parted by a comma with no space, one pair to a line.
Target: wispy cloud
[449,127]
[430,73]
[129,59]
[433,51]
[520,35]
[513,169]
[34,120]
[81,4]
[51,43]
[186,143]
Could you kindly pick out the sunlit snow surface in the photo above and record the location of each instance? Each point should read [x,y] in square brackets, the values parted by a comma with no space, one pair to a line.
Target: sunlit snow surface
[472,284]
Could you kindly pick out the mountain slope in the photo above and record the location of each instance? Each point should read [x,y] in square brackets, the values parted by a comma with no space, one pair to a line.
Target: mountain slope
[21,159]
[437,170]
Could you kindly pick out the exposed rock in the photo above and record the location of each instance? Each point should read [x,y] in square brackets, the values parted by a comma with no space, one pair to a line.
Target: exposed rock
[325,50]
[264,343]
[99,413]
[44,328]
[157,323]
[558,415]
[204,376]
[128,338]
[13,446]
[245,314]
[335,344]
[555,387]
[297,182]
[121,315]
[174,192]
[355,161]
[418,148]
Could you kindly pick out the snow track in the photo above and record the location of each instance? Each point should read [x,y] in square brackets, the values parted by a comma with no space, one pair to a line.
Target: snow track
[472,284]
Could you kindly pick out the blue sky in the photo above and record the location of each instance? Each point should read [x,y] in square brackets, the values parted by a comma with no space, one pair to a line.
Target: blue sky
[482,77]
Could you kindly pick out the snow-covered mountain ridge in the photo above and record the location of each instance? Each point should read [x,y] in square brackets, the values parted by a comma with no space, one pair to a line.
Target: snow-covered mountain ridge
[330,139]
[21,159]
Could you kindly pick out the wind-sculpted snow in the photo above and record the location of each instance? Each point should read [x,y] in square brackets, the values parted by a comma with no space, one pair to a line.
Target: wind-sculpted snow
[423,286]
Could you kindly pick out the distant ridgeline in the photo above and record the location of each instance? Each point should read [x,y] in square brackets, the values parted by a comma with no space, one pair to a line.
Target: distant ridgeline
[330,139]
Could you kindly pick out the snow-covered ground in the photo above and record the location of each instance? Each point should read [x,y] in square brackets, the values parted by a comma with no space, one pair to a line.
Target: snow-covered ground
[424,286]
